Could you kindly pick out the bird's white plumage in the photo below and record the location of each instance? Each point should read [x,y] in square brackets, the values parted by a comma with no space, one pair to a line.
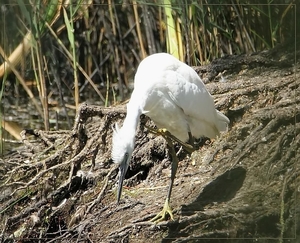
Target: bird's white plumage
[174,97]
[121,148]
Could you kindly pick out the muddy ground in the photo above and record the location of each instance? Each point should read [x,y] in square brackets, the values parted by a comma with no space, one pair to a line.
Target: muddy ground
[240,187]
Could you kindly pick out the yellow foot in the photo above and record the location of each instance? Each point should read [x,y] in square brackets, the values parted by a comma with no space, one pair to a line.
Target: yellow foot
[167,135]
[162,215]
[157,131]
[163,131]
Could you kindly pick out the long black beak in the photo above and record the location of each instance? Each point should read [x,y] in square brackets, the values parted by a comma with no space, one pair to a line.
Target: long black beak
[122,172]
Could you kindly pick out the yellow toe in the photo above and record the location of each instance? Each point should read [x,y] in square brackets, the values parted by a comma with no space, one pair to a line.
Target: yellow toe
[161,216]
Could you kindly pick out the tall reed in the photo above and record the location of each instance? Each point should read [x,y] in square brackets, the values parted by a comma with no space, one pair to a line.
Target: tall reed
[95,48]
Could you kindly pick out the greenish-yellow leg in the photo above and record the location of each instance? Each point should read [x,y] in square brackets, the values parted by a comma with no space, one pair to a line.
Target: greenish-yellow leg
[189,148]
[167,209]
[166,134]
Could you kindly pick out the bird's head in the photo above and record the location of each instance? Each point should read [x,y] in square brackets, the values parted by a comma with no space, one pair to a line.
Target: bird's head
[122,147]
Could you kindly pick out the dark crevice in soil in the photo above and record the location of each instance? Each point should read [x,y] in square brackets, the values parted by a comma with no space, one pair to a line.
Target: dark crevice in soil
[240,187]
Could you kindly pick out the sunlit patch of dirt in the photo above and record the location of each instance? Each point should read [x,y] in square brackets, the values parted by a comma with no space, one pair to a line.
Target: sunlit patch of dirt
[62,187]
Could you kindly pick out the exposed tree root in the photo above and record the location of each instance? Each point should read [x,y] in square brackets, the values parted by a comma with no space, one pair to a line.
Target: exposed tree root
[61,188]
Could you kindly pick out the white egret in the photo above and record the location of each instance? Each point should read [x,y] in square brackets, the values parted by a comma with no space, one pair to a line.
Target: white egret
[174,97]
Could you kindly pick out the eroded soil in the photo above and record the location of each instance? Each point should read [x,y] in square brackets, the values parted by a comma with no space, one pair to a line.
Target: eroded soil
[61,187]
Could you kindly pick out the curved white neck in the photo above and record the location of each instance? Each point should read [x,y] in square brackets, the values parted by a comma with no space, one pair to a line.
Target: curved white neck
[132,118]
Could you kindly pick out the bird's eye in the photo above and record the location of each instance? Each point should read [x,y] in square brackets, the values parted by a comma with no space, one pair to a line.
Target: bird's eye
[126,155]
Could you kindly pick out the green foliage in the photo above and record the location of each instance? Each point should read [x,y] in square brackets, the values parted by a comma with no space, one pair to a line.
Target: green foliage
[107,41]
[1,113]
